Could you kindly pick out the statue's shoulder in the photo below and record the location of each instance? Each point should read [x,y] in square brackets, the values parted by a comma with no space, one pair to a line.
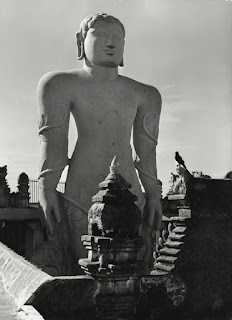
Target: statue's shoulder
[148,97]
[143,90]
[147,91]
[57,80]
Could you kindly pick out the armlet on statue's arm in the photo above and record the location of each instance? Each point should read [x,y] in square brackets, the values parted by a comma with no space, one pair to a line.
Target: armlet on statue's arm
[49,178]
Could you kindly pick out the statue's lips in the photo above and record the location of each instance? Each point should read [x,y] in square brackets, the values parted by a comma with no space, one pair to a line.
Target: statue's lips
[109,52]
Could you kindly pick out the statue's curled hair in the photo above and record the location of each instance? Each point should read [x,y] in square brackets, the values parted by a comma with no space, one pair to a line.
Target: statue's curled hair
[89,21]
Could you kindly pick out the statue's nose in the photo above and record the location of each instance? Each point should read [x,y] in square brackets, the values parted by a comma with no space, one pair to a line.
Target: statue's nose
[110,42]
[110,46]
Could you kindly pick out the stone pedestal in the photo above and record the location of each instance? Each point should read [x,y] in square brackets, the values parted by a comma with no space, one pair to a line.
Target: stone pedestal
[113,263]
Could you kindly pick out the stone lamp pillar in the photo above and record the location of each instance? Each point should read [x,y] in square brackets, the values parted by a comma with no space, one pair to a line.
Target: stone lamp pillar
[23,194]
[113,245]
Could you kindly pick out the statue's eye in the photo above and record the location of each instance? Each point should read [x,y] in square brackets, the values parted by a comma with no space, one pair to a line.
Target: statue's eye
[117,36]
[100,34]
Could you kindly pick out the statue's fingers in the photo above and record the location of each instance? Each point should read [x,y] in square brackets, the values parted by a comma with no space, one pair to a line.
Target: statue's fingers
[49,226]
[57,213]
[158,219]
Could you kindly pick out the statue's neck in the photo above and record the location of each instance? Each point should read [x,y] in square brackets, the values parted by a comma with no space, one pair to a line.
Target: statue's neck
[101,72]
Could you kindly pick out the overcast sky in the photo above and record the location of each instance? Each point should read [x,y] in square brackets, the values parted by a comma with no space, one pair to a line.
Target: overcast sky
[182,47]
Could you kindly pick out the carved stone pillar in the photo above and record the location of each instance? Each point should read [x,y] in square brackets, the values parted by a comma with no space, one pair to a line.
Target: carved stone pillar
[23,194]
[113,245]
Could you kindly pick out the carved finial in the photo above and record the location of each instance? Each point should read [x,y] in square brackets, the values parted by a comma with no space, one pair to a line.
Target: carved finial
[114,166]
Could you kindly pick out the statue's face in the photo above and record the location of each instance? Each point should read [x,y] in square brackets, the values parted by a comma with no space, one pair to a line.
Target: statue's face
[104,44]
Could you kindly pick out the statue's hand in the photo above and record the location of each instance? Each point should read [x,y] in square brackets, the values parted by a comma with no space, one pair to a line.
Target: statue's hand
[153,212]
[151,221]
[48,199]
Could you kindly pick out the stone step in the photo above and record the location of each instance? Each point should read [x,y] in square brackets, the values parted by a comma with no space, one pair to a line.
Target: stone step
[184,212]
[179,220]
[158,272]
[164,266]
[166,259]
[179,230]
[173,244]
[169,251]
[176,237]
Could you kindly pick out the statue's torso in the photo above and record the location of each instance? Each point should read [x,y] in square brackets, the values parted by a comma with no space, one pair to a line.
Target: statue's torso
[104,113]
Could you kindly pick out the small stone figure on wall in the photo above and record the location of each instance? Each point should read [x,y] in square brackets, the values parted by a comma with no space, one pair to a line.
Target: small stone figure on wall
[4,189]
[177,181]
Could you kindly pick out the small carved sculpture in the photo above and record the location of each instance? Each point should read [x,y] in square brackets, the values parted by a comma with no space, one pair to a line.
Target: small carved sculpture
[114,213]
[172,183]
[4,189]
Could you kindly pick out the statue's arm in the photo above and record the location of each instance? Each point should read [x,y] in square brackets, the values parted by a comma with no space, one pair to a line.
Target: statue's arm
[54,112]
[145,136]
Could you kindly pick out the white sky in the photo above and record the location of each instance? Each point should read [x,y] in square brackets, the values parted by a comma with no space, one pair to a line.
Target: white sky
[182,47]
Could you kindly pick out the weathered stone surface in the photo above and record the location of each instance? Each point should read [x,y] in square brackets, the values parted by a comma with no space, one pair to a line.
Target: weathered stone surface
[114,213]
[176,237]
[113,261]
[64,295]
[204,261]
[10,311]
[184,213]
[120,221]
[20,278]
[8,307]
[179,220]
[167,259]
[166,289]
[164,266]
[173,244]
[179,230]
[29,313]
[169,251]
[159,273]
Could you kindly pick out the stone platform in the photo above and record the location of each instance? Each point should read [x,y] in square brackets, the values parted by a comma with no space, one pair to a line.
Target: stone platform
[10,311]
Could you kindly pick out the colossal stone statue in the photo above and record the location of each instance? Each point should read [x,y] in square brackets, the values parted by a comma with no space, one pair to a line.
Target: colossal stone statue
[105,106]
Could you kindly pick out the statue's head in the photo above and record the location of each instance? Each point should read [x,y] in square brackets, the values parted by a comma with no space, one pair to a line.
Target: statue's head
[100,40]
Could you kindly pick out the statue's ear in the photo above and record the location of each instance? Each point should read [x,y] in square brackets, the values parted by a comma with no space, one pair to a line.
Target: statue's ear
[80,46]
[122,62]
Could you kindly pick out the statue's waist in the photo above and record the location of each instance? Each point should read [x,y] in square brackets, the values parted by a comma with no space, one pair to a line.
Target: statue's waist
[101,155]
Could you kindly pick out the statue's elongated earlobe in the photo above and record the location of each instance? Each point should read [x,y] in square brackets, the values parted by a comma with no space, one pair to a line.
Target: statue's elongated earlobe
[80,46]
[122,63]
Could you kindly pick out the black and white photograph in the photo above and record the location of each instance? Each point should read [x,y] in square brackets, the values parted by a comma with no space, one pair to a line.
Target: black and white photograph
[116,160]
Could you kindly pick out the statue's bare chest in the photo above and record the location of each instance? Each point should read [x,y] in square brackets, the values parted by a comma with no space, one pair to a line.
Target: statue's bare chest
[105,100]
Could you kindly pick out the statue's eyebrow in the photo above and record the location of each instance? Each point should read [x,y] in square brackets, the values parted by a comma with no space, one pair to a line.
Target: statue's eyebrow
[119,32]
[93,30]
[97,30]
